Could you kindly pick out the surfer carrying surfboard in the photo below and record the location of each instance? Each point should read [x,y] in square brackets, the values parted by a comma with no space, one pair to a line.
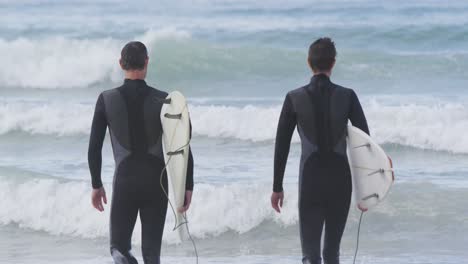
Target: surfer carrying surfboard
[320,110]
[132,113]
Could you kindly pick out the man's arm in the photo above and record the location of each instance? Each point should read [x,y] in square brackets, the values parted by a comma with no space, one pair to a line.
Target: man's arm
[356,115]
[286,126]
[189,179]
[98,132]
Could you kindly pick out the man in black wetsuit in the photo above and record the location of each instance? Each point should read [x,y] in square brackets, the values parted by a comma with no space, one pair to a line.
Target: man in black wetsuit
[132,113]
[320,110]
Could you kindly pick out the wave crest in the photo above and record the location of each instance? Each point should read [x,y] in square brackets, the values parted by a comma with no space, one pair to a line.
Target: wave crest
[63,208]
[435,126]
[59,62]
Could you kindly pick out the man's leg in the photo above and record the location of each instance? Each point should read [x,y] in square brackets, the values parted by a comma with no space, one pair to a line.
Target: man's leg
[123,216]
[153,217]
[335,222]
[311,219]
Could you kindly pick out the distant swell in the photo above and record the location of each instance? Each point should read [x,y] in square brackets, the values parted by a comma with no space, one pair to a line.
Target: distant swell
[58,62]
[435,126]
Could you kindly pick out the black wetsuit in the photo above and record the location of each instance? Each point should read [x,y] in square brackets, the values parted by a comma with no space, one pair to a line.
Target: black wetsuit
[132,113]
[321,111]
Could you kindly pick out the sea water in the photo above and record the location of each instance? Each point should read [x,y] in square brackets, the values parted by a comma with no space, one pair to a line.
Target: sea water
[235,61]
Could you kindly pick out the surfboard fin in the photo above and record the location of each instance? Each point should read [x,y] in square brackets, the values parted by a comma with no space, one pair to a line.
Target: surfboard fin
[172,153]
[162,100]
[377,171]
[375,195]
[363,145]
[171,116]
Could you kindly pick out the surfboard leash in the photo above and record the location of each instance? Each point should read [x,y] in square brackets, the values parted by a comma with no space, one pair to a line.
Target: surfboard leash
[357,239]
[176,226]
[185,222]
[191,238]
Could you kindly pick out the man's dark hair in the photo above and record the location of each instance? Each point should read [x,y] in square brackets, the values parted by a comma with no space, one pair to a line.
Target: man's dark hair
[133,56]
[322,54]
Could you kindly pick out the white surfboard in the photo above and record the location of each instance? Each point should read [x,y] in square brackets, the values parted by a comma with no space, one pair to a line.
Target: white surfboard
[371,169]
[176,138]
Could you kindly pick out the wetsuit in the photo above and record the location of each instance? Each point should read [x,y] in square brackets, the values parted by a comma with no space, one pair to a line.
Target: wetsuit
[321,111]
[132,113]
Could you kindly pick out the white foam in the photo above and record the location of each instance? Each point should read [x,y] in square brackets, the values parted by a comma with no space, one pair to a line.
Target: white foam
[64,208]
[59,62]
[45,118]
[436,125]
[246,123]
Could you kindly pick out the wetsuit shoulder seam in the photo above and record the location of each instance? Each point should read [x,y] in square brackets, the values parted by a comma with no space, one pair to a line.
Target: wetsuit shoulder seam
[297,90]
[346,89]
[104,93]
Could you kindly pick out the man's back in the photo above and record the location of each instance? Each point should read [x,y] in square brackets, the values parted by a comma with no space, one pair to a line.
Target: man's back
[321,111]
[132,112]
[336,104]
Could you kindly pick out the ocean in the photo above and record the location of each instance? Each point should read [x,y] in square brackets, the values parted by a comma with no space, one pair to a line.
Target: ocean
[235,60]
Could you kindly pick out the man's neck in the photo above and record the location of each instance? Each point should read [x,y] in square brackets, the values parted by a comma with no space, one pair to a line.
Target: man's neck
[135,75]
[327,73]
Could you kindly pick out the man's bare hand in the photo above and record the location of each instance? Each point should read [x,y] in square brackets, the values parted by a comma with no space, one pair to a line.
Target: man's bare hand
[277,201]
[97,197]
[187,202]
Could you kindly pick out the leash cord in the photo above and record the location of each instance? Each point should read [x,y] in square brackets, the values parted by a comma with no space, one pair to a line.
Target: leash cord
[357,239]
[176,225]
[191,238]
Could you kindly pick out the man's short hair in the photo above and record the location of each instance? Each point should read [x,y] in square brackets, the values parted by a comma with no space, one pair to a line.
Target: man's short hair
[322,54]
[133,56]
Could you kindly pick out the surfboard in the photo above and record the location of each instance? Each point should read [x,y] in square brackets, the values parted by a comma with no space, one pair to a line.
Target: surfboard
[175,141]
[371,169]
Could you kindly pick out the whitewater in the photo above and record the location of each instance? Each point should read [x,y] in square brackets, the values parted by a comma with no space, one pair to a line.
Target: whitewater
[438,125]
